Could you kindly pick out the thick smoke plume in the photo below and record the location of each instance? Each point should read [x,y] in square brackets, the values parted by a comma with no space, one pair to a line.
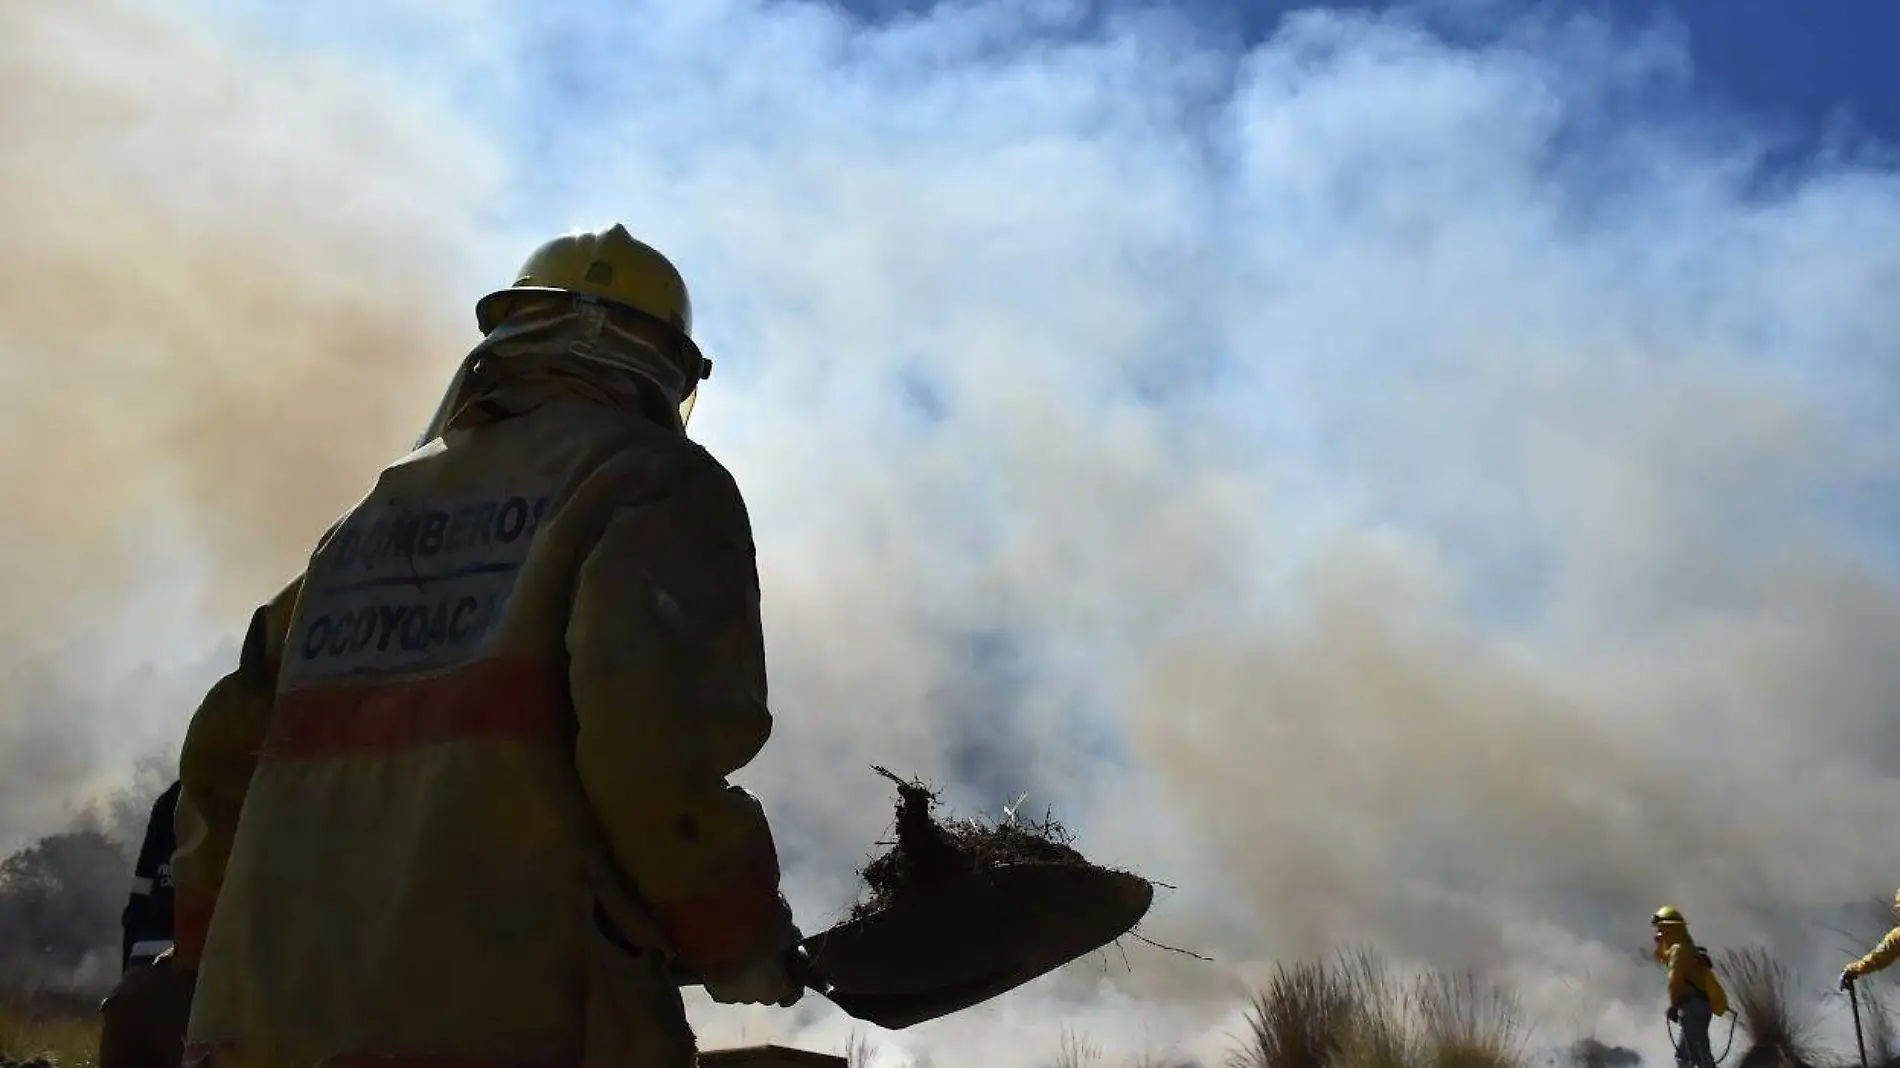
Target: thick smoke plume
[219,316]
[1413,496]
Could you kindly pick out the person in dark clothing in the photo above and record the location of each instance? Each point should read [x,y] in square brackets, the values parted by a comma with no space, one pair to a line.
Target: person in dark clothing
[147,919]
[143,1020]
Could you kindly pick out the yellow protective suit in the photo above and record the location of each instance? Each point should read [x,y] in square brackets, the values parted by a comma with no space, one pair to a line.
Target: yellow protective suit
[1882,956]
[464,799]
[1687,973]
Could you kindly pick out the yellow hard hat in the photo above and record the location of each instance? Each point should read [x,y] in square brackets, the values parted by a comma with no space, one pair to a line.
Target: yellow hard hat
[614,267]
[610,264]
[1667,916]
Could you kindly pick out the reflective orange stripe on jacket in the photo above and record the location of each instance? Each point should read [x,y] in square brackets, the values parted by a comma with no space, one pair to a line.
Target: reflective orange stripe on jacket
[497,699]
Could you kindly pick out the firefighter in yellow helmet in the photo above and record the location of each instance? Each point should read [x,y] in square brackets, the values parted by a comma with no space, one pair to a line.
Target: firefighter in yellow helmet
[1695,993]
[1883,954]
[464,800]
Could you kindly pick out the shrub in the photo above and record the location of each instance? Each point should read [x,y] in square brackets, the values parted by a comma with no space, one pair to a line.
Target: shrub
[1778,1036]
[1349,1013]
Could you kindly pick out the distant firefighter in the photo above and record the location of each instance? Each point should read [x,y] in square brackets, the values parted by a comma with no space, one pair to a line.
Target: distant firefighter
[1882,955]
[1695,993]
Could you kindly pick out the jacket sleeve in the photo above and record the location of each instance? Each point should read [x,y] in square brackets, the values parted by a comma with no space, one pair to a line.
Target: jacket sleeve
[1882,955]
[214,772]
[667,676]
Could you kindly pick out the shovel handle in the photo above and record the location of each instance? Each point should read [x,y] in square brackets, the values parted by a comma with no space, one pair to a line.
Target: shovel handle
[800,966]
[1853,1000]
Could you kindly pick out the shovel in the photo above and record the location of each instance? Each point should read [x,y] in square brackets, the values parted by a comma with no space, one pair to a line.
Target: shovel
[971,939]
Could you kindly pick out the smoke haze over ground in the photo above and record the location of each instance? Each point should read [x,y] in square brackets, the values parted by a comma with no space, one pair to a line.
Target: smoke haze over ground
[212,331]
[1435,498]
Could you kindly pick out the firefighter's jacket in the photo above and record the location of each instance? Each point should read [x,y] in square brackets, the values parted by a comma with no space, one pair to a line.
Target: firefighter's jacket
[1689,970]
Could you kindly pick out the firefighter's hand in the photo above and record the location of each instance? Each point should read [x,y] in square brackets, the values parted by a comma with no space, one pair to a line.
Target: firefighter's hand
[770,981]
[775,978]
[1674,1015]
[1847,979]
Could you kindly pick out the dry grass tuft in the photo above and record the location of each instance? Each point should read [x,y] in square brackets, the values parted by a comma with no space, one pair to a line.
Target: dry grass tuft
[1301,1020]
[1876,1024]
[1378,1034]
[1778,1036]
[61,1030]
[1465,1023]
[1078,1052]
[1350,1013]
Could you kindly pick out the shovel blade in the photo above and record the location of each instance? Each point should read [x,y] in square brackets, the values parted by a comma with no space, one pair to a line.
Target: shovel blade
[980,935]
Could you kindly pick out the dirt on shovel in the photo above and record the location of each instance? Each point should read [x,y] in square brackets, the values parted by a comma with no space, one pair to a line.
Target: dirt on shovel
[957,912]
[928,853]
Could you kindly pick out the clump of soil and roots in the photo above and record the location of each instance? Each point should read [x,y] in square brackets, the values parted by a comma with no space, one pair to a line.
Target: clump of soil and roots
[928,853]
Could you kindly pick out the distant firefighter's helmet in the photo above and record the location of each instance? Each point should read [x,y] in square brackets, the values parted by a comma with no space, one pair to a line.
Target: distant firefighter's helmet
[1670,916]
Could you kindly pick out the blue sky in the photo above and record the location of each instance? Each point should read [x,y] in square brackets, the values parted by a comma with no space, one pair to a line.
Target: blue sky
[1351,445]
[1814,67]
[1819,70]
[1811,65]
